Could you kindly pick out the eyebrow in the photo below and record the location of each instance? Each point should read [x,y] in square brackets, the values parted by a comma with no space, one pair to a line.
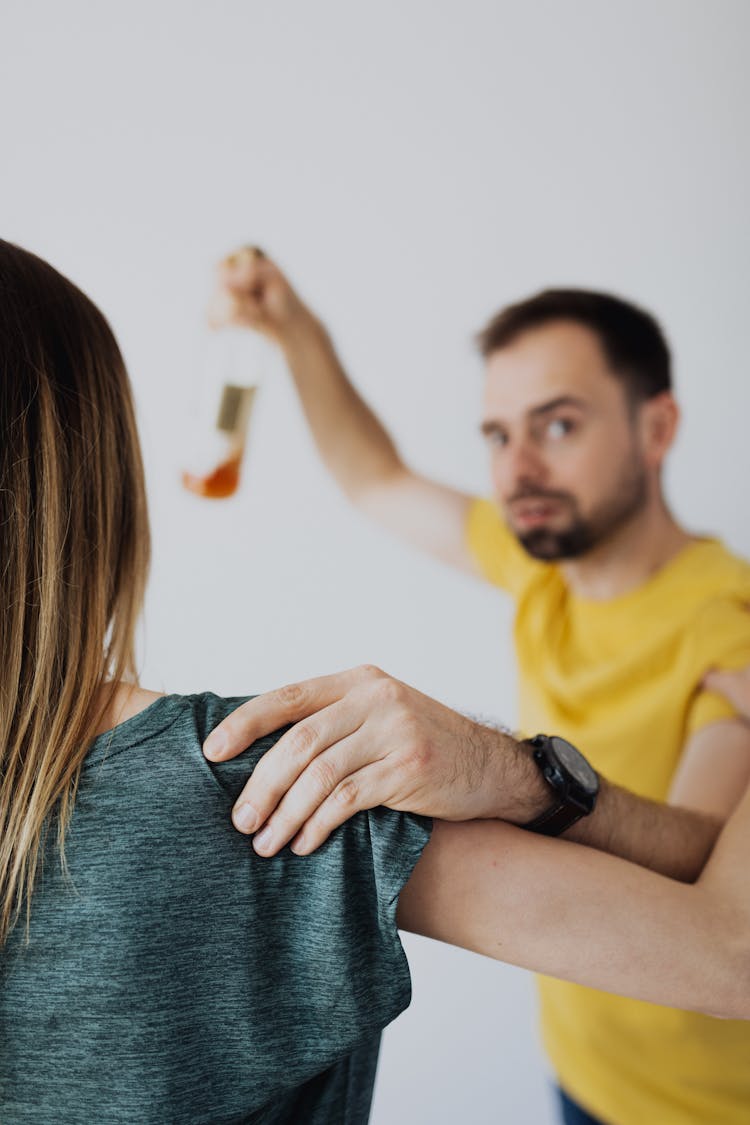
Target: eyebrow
[556,403]
[491,426]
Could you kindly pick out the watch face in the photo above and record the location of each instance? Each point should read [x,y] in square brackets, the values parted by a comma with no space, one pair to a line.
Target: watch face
[575,764]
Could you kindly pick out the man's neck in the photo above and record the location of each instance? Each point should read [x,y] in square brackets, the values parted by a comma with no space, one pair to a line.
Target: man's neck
[628,558]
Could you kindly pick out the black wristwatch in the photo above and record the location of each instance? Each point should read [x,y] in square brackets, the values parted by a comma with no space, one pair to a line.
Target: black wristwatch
[575,784]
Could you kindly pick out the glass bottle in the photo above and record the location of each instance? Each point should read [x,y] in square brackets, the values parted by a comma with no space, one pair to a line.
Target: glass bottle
[237,361]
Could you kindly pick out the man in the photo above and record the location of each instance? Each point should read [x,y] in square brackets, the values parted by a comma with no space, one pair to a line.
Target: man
[620,615]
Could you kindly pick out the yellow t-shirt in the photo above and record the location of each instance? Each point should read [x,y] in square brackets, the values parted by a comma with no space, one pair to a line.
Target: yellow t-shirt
[621,680]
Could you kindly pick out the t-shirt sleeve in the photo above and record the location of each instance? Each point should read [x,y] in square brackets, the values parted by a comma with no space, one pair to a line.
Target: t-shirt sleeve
[336,950]
[337,907]
[721,639]
[397,841]
[500,557]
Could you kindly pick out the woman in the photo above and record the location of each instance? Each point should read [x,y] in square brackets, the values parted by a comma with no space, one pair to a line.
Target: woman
[130,990]
[154,968]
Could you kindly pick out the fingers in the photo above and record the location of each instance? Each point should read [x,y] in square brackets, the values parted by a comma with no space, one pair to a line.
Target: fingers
[243,274]
[254,253]
[322,770]
[366,788]
[327,775]
[281,766]
[267,713]
[246,269]
[252,292]
[238,299]
[227,306]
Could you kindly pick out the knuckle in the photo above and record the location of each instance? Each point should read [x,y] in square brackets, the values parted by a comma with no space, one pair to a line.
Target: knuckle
[302,741]
[322,776]
[370,672]
[390,691]
[290,695]
[418,756]
[346,794]
[409,726]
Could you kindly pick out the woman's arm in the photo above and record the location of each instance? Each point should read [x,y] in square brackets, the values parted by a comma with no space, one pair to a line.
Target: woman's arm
[571,912]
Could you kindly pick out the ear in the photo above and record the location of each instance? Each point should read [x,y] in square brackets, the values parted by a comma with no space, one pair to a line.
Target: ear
[658,422]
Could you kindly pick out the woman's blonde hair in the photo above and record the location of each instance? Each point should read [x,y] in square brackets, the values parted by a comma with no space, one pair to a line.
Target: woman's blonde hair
[75,553]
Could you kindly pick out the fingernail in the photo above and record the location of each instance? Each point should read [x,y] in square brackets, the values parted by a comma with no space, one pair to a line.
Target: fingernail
[215,745]
[245,817]
[262,840]
[298,845]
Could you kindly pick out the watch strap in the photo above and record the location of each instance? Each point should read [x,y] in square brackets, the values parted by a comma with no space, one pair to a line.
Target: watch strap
[555,820]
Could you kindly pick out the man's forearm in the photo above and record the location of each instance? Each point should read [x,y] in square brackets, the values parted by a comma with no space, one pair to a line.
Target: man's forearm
[671,840]
[353,444]
[439,763]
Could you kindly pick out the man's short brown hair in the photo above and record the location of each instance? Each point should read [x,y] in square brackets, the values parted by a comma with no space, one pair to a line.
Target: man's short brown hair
[631,339]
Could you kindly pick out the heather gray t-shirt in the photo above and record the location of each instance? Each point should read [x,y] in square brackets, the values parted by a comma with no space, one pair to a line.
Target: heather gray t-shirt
[177,977]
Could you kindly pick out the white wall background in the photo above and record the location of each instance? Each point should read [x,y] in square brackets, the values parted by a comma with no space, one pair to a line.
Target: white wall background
[413,165]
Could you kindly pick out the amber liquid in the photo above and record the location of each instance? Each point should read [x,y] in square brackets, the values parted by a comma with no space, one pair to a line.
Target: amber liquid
[219,484]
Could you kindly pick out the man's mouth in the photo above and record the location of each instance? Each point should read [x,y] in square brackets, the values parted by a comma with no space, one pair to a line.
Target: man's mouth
[529,513]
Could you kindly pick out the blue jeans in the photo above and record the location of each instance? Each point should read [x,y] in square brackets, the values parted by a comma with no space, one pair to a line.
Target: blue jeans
[572,1114]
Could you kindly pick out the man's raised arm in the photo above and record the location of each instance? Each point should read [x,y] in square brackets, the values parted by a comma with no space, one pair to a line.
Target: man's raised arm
[360,454]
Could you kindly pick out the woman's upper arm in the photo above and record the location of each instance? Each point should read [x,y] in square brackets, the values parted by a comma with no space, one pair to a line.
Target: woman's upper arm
[457,891]
[569,911]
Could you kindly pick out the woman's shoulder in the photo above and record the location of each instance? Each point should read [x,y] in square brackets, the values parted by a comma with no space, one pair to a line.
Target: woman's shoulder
[131,700]
[142,718]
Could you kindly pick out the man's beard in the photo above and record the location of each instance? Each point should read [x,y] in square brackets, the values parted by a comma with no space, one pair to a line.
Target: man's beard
[583,535]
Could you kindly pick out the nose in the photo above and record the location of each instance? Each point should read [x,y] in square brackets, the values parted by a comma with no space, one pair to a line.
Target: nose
[517,464]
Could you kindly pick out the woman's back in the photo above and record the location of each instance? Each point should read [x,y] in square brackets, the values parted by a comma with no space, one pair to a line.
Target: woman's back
[173,975]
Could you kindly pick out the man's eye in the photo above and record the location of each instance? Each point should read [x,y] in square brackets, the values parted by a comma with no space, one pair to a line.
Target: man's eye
[495,437]
[559,428]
